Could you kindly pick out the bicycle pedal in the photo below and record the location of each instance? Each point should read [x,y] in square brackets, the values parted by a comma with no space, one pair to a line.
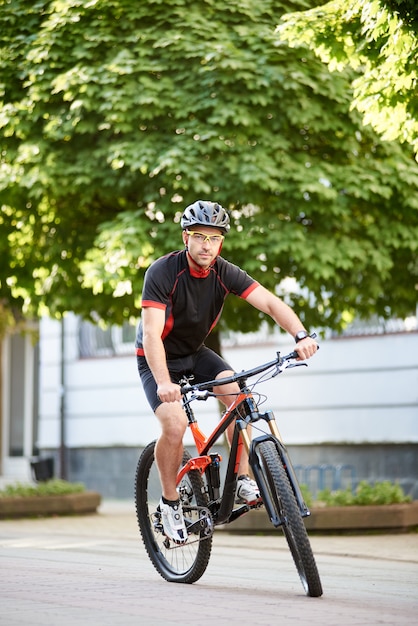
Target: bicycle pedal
[156,522]
[256,504]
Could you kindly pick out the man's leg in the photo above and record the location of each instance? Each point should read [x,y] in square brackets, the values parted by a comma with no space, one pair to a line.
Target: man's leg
[169,447]
[247,489]
[168,456]
[228,395]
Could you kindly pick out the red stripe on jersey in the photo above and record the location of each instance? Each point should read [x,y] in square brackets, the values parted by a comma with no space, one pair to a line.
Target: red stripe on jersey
[247,292]
[153,304]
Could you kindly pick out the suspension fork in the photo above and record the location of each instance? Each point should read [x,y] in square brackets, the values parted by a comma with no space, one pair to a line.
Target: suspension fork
[275,437]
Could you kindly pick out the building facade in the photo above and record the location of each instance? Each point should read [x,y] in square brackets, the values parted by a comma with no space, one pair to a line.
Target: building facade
[351,415]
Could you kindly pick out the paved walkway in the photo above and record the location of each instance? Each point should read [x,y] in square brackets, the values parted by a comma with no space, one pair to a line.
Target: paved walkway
[115,515]
[116,518]
[93,571]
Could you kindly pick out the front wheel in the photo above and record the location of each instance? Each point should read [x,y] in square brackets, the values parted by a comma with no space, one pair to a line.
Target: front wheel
[184,563]
[275,480]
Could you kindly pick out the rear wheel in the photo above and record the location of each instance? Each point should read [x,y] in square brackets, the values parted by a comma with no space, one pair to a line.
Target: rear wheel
[278,487]
[176,563]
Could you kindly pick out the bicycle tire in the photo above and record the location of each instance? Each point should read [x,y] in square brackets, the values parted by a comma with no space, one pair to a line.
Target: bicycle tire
[184,563]
[277,483]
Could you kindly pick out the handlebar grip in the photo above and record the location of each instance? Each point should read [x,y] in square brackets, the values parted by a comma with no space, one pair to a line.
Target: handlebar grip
[295,355]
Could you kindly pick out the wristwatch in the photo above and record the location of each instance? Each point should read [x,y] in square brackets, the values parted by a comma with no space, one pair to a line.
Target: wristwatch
[302,334]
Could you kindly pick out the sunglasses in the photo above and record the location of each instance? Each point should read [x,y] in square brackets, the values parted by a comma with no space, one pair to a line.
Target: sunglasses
[202,238]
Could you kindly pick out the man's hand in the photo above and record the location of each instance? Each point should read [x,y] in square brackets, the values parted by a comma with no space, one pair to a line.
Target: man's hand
[306,348]
[169,392]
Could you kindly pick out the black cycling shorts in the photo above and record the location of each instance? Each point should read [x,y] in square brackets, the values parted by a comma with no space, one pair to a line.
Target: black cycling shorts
[204,365]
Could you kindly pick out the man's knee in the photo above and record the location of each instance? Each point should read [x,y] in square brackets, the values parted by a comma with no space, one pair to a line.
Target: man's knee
[173,420]
[226,392]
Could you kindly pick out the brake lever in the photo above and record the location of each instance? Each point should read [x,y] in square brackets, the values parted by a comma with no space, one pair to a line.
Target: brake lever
[296,365]
[203,395]
[285,364]
[197,395]
[278,371]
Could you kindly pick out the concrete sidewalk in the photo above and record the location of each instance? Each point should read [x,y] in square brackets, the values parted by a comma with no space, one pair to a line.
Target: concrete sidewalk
[115,515]
[116,519]
[93,570]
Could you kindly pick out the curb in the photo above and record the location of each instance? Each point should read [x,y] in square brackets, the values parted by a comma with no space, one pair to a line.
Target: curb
[392,517]
[401,517]
[41,506]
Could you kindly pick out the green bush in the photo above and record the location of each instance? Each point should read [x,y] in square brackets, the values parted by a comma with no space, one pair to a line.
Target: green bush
[342,497]
[365,494]
[55,487]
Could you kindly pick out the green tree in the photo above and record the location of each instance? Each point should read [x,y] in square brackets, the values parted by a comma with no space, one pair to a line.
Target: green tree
[116,114]
[378,39]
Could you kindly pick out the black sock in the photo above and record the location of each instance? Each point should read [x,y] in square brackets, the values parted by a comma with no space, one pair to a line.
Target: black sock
[170,502]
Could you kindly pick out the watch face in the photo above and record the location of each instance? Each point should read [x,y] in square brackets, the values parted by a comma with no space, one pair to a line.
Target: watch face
[301,335]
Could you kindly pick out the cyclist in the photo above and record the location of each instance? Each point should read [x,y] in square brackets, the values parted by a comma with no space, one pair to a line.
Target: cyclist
[182,299]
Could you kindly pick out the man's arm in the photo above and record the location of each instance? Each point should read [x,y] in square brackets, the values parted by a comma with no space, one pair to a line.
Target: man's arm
[284,316]
[153,320]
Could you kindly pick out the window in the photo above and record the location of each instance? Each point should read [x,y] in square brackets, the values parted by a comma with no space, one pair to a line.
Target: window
[94,341]
[379,326]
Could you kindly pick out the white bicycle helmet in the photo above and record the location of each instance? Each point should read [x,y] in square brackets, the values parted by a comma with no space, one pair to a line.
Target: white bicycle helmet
[204,213]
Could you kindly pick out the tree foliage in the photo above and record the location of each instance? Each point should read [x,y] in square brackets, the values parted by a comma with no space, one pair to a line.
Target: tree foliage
[405,9]
[378,39]
[116,114]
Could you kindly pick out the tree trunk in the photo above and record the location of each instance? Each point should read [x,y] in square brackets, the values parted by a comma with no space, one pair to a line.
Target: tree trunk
[1,404]
[214,342]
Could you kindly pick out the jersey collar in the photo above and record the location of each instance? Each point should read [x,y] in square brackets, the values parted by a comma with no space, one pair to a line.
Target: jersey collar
[195,270]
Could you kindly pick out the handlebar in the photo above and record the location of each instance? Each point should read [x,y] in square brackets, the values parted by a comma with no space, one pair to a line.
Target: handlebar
[279,362]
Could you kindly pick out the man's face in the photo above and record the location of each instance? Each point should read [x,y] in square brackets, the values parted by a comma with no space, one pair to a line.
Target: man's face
[203,250]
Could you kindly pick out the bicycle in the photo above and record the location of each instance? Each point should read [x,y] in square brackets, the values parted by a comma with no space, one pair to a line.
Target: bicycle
[206,503]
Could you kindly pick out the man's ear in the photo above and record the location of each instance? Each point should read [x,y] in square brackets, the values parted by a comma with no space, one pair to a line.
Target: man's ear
[185,239]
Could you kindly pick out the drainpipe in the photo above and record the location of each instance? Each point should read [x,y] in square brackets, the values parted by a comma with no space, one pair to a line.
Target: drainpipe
[63,449]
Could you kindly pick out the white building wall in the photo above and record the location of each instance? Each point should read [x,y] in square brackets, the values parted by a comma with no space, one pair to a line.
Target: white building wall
[355,390]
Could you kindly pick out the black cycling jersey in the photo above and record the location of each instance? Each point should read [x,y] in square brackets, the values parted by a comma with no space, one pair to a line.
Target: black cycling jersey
[192,301]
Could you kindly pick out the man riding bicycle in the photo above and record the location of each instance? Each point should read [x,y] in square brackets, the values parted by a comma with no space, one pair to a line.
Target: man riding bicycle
[182,299]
